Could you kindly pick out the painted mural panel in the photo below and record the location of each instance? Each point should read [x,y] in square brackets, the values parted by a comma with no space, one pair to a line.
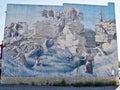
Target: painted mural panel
[72,40]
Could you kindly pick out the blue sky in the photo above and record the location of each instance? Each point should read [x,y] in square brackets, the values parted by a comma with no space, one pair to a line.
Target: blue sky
[3,4]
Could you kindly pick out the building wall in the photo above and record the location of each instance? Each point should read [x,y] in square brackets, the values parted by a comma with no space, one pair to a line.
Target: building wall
[0,56]
[43,41]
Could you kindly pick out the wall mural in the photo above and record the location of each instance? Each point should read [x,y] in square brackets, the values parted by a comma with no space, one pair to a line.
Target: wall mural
[72,40]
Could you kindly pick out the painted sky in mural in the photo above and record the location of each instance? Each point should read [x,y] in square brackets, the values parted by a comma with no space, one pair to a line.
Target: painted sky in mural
[60,41]
[90,13]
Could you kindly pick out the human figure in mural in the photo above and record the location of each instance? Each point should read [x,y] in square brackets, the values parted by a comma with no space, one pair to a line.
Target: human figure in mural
[36,53]
[45,13]
[28,47]
[16,28]
[10,30]
[73,14]
[89,62]
[25,46]
[61,25]
[21,56]
[78,59]
[59,22]
[51,13]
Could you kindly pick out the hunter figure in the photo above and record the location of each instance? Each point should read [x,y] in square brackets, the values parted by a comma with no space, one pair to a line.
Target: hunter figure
[89,62]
